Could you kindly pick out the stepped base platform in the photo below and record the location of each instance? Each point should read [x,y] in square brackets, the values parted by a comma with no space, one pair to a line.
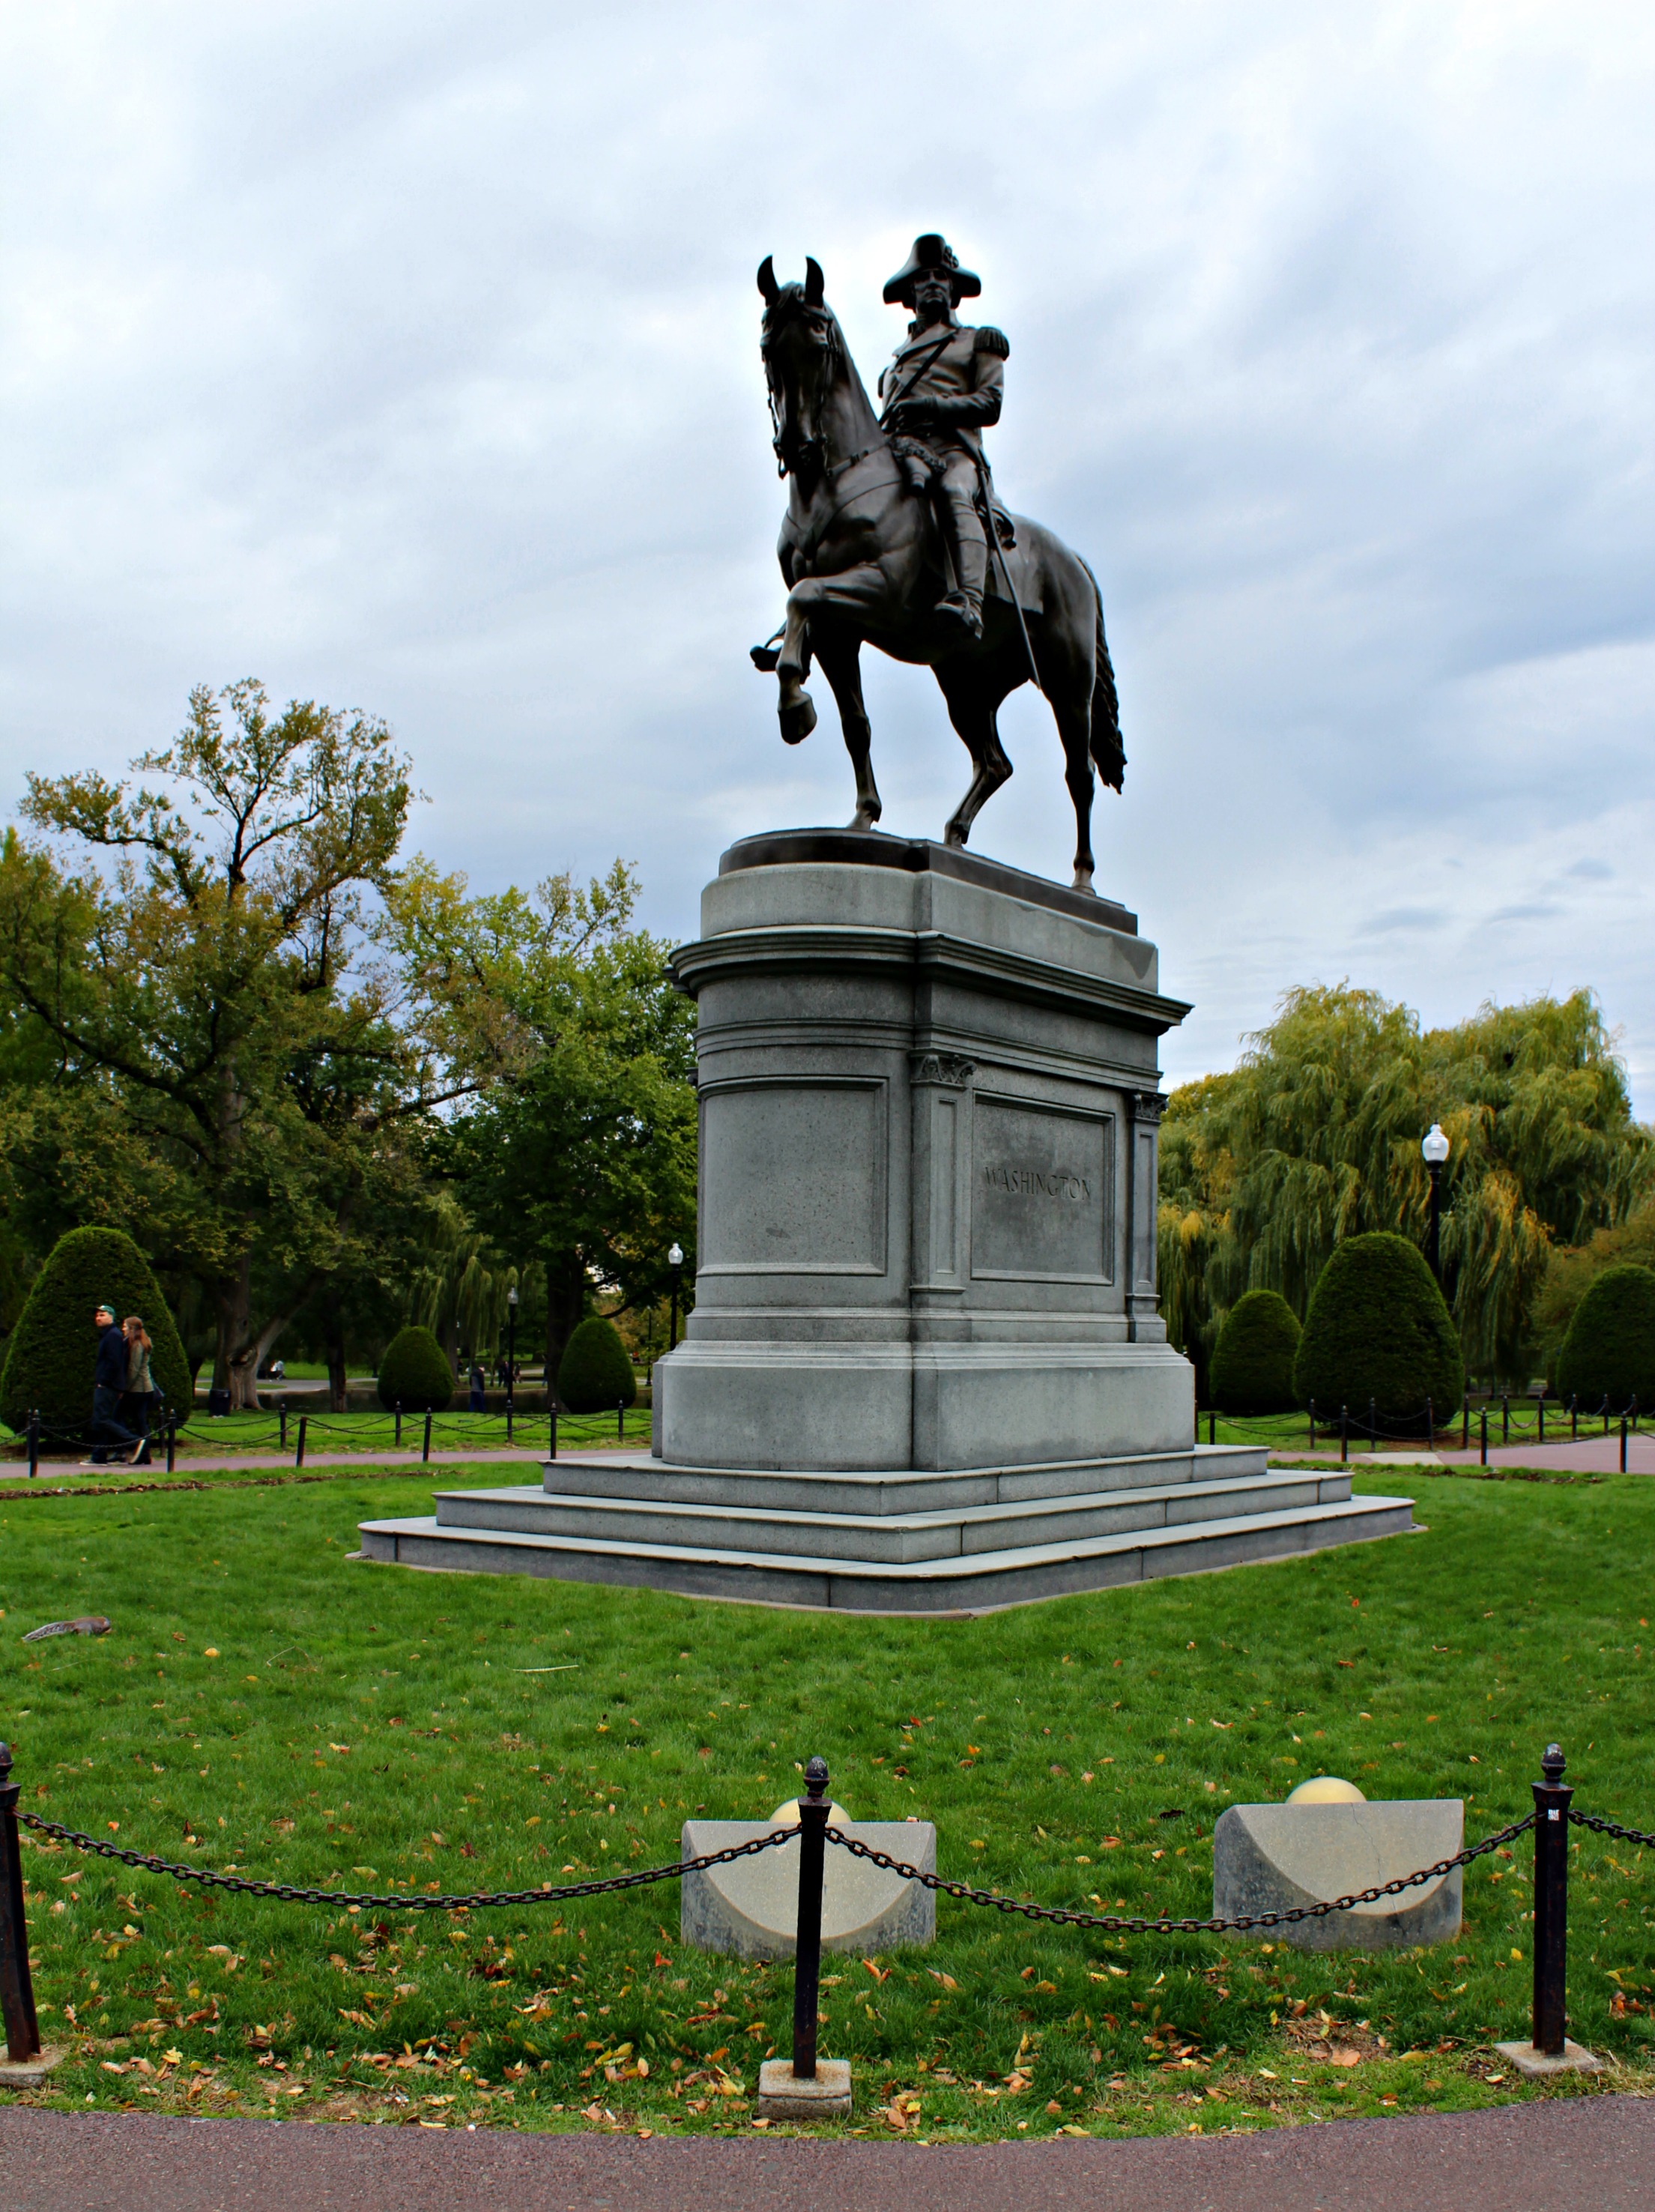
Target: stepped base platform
[902,1541]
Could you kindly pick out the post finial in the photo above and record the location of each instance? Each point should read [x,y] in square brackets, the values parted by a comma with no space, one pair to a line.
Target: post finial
[5,1764]
[1552,1763]
[815,1779]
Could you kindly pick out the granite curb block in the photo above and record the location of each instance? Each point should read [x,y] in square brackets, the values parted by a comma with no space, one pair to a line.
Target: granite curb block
[1272,1859]
[751,1909]
[825,2096]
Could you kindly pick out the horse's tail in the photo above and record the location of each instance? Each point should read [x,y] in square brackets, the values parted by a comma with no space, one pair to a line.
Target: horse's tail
[1108,753]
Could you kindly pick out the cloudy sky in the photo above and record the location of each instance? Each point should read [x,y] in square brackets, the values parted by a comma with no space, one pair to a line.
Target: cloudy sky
[406,356]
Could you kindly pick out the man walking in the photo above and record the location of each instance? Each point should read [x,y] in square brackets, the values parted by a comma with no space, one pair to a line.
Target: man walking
[109,1437]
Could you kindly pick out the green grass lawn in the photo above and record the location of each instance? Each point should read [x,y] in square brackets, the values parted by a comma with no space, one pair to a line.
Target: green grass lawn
[264,1703]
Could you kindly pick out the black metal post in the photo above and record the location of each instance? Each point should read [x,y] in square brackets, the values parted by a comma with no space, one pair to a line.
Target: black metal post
[1540,1434]
[16,1988]
[425,1449]
[1551,1902]
[1313,1425]
[1574,1418]
[1505,1417]
[1372,1424]
[1434,1168]
[1430,1427]
[299,1455]
[399,1424]
[1212,1426]
[1465,1422]
[281,1416]
[553,1453]
[1344,1434]
[172,1441]
[1623,1444]
[807,1942]
[620,1420]
[511,1362]
[1484,1439]
[34,1443]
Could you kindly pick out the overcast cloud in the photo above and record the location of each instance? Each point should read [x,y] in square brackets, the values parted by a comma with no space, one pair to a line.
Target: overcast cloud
[406,356]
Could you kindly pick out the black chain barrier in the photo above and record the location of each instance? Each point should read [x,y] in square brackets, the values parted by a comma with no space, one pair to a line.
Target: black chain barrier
[398,1901]
[1131,1925]
[1549,1821]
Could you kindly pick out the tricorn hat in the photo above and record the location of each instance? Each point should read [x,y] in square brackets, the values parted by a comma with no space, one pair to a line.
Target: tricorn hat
[931,252]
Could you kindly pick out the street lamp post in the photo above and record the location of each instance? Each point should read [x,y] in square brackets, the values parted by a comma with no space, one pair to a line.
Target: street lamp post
[511,1347]
[675,1261]
[1434,1147]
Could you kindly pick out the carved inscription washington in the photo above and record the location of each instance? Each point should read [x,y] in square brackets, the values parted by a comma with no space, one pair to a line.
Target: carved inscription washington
[1043,1187]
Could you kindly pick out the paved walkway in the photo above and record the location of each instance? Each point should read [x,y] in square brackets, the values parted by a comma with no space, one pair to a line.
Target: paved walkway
[1592,2153]
[1596,1455]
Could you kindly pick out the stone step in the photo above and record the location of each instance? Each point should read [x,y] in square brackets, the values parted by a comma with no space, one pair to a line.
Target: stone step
[636,1475]
[949,1532]
[979,1582]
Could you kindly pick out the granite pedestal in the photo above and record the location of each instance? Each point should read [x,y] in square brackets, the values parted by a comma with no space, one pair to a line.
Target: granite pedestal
[925,1371]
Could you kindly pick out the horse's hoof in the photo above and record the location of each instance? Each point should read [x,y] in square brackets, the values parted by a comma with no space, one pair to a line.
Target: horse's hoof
[797,720]
[956,835]
[864,817]
[1083,882]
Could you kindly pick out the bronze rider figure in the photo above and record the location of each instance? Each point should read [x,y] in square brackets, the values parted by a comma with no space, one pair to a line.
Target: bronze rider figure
[942,391]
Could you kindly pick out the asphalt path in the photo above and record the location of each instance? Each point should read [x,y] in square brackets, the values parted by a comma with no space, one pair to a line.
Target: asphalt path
[1594,2153]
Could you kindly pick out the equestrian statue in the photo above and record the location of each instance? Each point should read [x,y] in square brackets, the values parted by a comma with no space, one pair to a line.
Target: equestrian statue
[893,537]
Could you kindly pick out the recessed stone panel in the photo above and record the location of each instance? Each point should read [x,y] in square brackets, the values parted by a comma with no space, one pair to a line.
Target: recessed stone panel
[793,1176]
[1042,1186]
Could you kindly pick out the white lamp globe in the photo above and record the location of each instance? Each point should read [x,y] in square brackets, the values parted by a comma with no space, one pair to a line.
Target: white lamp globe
[1435,1146]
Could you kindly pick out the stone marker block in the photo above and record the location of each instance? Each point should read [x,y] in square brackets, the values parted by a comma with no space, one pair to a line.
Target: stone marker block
[1269,1857]
[1540,2065]
[29,2073]
[751,1908]
[825,2096]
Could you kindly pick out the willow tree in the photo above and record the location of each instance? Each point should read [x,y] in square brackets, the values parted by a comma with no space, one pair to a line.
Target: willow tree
[1315,1137]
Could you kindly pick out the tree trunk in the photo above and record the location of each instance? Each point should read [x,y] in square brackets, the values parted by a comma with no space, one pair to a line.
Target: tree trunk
[566,1307]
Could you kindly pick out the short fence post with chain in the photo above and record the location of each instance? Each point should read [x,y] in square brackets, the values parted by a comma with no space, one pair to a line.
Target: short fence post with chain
[16,1988]
[281,1418]
[1623,1444]
[1465,1421]
[1482,1442]
[1430,1427]
[807,1942]
[1540,1434]
[425,1449]
[1313,1425]
[172,1442]
[299,1451]
[552,1454]
[620,1420]
[1344,1434]
[1505,1417]
[34,1443]
[1372,1424]
[1551,1902]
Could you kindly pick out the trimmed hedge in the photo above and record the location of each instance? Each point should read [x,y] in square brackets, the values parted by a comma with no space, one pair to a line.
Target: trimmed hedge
[595,1374]
[1377,1327]
[415,1373]
[54,1347]
[1252,1361]
[1610,1350]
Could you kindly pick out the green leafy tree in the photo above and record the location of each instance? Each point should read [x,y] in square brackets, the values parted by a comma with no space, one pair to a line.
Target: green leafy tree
[595,1373]
[415,1373]
[229,1078]
[581,1153]
[53,1349]
[1609,1353]
[1315,1138]
[1378,1329]
[1252,1363]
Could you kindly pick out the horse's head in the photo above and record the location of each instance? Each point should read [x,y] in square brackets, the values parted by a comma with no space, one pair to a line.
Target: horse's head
[805,363]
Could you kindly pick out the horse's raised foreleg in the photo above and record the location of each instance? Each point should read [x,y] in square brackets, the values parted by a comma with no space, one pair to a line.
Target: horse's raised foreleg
[973,686]
[841,664]
[794,708]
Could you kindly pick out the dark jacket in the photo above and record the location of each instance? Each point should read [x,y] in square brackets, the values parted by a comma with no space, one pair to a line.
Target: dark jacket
[110,1373]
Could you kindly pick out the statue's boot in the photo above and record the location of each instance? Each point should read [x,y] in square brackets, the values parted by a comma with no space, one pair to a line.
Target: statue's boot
[963,606]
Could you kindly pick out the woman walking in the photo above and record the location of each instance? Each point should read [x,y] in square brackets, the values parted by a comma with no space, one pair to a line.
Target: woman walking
[140,1390]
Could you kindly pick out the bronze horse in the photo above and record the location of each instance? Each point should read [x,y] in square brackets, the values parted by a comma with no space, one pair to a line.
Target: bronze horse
[862,556]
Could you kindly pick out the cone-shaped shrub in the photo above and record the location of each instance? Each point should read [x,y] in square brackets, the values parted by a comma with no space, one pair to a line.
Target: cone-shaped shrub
[50,1359]
[1377,1327]
[1252,1363]
[415,1373]
[595,1373]
[1610,1350]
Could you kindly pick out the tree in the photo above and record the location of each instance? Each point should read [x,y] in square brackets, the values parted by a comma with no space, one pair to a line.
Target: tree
[596,1374]
[1252,1363]
[53,1348]
[582,1151]
[1609,1353]
[230,1079]
[414,1373]
[1378,1329]
[1314,1138]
